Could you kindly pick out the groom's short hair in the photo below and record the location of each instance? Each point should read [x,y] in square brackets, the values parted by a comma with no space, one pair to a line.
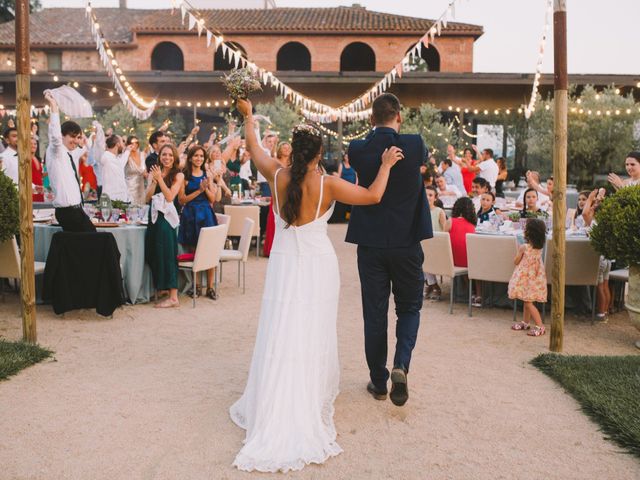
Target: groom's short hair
[385,108]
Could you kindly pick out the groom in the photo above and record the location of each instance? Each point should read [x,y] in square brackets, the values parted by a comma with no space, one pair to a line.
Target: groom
[390,256]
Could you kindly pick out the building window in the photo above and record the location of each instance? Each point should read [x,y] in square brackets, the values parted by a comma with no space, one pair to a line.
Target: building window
[167,56]
[429,61]
[294,56]
[54,61]
[222,62]
[358,57]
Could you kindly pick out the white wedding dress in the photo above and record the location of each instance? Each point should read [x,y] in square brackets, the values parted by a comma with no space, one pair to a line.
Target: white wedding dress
[287,406]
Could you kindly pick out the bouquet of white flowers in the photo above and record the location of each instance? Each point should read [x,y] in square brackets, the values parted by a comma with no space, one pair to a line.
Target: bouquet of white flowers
[241,82]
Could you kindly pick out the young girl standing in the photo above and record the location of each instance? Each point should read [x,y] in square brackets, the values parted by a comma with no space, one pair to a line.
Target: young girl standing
[529,282]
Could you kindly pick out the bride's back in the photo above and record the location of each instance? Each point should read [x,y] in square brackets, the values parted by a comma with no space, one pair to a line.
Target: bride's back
[310,187]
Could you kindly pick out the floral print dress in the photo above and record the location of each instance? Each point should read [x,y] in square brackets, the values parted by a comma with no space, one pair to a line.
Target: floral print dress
[529,281]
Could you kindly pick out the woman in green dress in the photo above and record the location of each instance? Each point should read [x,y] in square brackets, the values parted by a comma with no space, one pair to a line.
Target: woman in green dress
[161,241]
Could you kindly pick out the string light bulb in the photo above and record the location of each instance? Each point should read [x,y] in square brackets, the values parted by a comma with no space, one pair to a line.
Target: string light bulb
[94,89]
[76,84]
[55,78]
[110,93]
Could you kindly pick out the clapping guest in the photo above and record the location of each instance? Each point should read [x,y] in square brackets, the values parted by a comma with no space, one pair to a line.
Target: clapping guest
[576,220]
[63,172]
[197,195]
[632,165]
[112,165]
[468,160]
[245,168]
[135,172]
[161,241]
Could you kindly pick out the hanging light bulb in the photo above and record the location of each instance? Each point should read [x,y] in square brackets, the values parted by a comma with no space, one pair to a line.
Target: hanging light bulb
[110,93]
[55,78]
[94,89]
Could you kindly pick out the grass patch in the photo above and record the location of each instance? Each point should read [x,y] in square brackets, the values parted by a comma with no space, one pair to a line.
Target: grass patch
[607,389]
[14,356]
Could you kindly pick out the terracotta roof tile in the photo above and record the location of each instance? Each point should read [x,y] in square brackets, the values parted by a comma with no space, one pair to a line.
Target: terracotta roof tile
[68,26]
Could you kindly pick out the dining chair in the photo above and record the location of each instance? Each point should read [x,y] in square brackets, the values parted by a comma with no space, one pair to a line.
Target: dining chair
[222,218]
[620,275]
[241,254]
[237,214]
[490,259]
[581,266]
[207,256]
[10,262]
[438,260]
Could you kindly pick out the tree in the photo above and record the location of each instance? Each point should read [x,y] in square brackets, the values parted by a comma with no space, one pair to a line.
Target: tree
[427,121]
[600,133]
[283,117]
[8,9]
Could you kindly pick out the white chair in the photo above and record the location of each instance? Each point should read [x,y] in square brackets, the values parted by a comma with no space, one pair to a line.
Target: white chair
[222,218]
[438,260]
[490,258]
[237,214]
[581,266]
[621,275]
[210,245]
[10,261]
[241,254]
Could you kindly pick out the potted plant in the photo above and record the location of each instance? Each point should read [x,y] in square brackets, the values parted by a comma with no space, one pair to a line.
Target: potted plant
[616,235]
[9,212]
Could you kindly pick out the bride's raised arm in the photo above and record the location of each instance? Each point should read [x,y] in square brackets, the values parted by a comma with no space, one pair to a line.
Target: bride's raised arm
[266,164]
[346,192]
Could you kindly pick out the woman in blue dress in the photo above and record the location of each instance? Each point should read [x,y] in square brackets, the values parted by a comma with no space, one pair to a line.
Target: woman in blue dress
[198,194]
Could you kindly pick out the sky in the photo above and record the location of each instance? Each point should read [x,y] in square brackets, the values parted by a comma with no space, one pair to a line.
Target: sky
[603,37]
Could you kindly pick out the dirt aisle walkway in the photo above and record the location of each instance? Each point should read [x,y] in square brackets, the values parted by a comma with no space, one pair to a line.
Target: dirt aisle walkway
[145,396]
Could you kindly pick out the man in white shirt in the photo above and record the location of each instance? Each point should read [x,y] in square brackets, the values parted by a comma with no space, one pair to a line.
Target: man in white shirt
[447,190]
[269,146]
[112,163]
[63,172]
[9,157]
[487,167]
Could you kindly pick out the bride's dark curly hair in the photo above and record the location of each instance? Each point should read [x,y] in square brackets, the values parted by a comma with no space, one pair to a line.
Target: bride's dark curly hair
[306,145]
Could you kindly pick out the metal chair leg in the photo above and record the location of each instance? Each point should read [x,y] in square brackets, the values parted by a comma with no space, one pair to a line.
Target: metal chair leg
[195,288]
[244,276]
[593,304]
[238,274]
[470,289]
[453,282]
[220,271]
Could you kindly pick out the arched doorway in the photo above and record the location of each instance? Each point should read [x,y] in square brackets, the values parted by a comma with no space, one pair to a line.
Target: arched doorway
[293,56]
[358,57]
[221,62]
[167,56]
[429,61]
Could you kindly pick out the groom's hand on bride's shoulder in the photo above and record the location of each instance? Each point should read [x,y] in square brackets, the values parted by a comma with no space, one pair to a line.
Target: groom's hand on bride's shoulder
[391,156]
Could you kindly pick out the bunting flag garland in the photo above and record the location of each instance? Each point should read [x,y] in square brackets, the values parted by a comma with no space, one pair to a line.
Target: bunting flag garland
[355,109]
[135,104]
[531,106]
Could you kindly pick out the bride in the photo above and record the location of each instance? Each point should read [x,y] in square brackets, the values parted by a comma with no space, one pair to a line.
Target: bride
[287,406]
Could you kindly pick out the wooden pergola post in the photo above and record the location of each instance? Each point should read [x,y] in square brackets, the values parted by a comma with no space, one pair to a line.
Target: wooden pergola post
[561,86]
[23,124]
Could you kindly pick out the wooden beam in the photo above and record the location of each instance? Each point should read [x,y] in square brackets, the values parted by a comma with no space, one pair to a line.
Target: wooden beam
[561,86]
[23,124]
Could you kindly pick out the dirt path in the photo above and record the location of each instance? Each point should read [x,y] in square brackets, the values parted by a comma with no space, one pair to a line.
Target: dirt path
[145,396]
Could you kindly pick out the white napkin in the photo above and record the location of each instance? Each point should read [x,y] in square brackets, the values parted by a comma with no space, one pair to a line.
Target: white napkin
[160,204]
[71,102]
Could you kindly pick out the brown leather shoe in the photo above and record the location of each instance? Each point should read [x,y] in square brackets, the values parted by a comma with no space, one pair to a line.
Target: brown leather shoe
[399,389]
[376,392]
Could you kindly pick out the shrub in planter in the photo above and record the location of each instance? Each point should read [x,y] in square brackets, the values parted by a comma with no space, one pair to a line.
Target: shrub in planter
[9,213]
[617,236]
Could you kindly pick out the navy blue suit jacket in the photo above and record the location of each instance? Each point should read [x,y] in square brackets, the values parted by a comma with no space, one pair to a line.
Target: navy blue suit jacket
[402,218]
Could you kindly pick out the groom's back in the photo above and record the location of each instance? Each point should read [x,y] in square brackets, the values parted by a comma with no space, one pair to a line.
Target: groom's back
[402,217]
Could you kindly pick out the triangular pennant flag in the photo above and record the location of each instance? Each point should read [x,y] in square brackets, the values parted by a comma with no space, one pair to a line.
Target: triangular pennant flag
[200,26]
[444,20]
[399,69]
[236,56]
[452,9]
[209,37]
[225,49]
[183,10]
[418,49]
[438,27]
[218,40]
[432,33]
[192,21]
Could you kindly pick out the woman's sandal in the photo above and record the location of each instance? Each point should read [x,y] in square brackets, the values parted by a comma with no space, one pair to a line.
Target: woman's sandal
[520,326]
[536,331]
[211,293]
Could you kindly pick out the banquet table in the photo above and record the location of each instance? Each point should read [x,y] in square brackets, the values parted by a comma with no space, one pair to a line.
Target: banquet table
[578,299]
[138,283]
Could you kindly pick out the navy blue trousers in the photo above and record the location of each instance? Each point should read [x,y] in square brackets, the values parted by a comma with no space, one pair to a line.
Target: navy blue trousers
[382,271]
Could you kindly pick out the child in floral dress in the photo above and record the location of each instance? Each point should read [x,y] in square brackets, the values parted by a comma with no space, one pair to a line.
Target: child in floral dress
[529,282]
